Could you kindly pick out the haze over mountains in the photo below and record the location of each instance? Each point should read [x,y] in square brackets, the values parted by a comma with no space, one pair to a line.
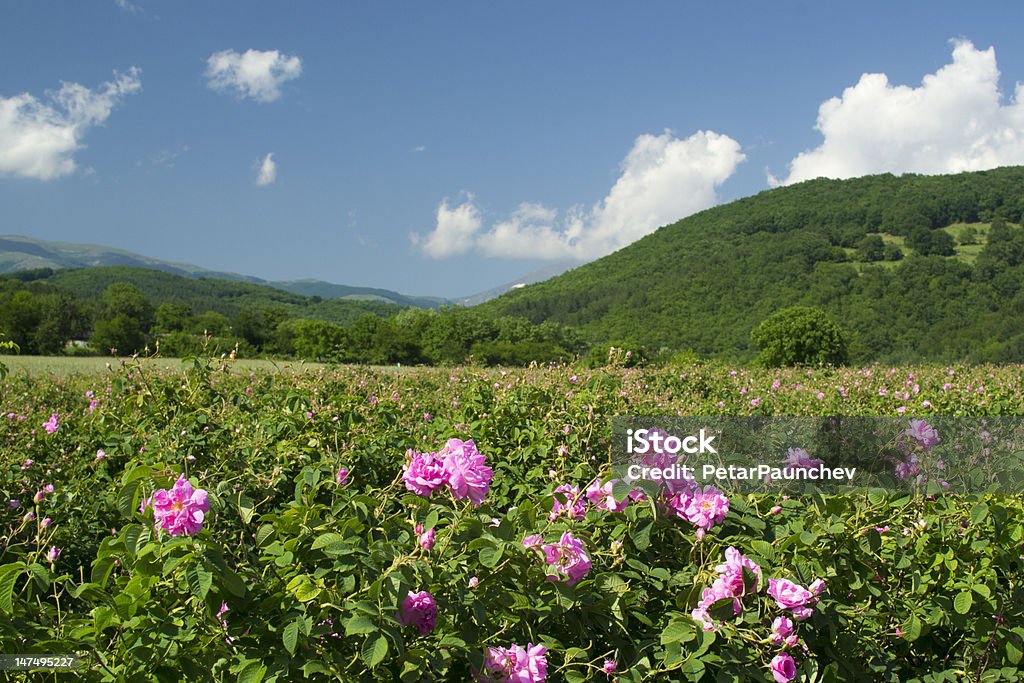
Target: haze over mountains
[19,253]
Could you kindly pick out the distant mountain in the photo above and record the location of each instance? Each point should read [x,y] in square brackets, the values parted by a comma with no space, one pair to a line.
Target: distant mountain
[201,294]
[912,267]
[18,253]
[538,275]
[27,253]
[329,290]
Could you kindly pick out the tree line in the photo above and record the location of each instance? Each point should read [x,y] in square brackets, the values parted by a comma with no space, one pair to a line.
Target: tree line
[42,318]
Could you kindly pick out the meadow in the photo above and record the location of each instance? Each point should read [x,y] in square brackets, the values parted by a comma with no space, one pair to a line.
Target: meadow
[217,521]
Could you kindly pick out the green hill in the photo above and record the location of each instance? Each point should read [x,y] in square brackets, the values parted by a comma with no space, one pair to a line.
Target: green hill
[329,290]
[19,253]
[227,297]
[911,267]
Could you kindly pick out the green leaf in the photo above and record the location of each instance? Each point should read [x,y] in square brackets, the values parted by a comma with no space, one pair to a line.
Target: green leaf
[310,476]
[41,575]
[290,636]
[723,610]
[621,490]
[9,574]
[763,549]
[642,538]
[313,667]
[613,583]
[575,653]
[252,672]
[126,498]
[962,602]
[200,578]
[246,509]
[1013,652]
[265,532]
[677,632]
[913,630]
[101,569]
[331,543]
[749,580]
[135,536]
[979,512]
[490,556]
[431,521]
[136,473]
[375,649]
[104,617]
[359,624]
[303,588]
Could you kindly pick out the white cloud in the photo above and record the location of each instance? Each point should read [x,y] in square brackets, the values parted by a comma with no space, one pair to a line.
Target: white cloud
[166,157]
[663,179]
[128,6]
[268,171]
[954,121]
[253,73]
[38,139]
[455,230]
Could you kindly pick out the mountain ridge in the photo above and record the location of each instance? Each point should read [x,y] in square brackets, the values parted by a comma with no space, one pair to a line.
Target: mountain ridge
[19,253]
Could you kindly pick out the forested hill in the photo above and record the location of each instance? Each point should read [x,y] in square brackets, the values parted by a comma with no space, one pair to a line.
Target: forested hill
[912,267]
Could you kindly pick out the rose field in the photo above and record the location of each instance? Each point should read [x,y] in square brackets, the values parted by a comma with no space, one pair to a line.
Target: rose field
[357,524]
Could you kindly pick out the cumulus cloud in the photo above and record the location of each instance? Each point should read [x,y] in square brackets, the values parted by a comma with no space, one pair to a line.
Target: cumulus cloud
[38,138]
[454,231]
[268,171]
[954,121]
[663,179]
[253,73]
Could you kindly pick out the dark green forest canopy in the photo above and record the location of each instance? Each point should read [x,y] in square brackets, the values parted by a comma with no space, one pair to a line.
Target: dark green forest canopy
[937,290]
[131,309]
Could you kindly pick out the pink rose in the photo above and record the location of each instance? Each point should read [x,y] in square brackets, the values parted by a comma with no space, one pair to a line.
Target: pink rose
[180,509]
[569,558]
[783,668]
[707,508]
[787,594]
[514,665]
[783,632]
[574,507]
[424,473]
[419,610]
[924,433]
[426,538]
[533,541]
[600,496]
[466,471]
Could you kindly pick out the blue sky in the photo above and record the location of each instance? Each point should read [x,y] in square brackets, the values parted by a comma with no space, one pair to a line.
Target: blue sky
[446,148]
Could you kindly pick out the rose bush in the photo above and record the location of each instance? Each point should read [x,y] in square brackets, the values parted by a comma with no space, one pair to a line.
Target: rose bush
[315,526]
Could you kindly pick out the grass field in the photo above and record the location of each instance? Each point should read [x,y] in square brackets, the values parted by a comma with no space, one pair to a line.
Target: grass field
[63,366]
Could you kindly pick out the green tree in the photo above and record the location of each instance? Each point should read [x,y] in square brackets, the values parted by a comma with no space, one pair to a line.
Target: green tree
[800,335]
[124,317]
[173,317]
[871,248]
[893,252]
[968,236]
